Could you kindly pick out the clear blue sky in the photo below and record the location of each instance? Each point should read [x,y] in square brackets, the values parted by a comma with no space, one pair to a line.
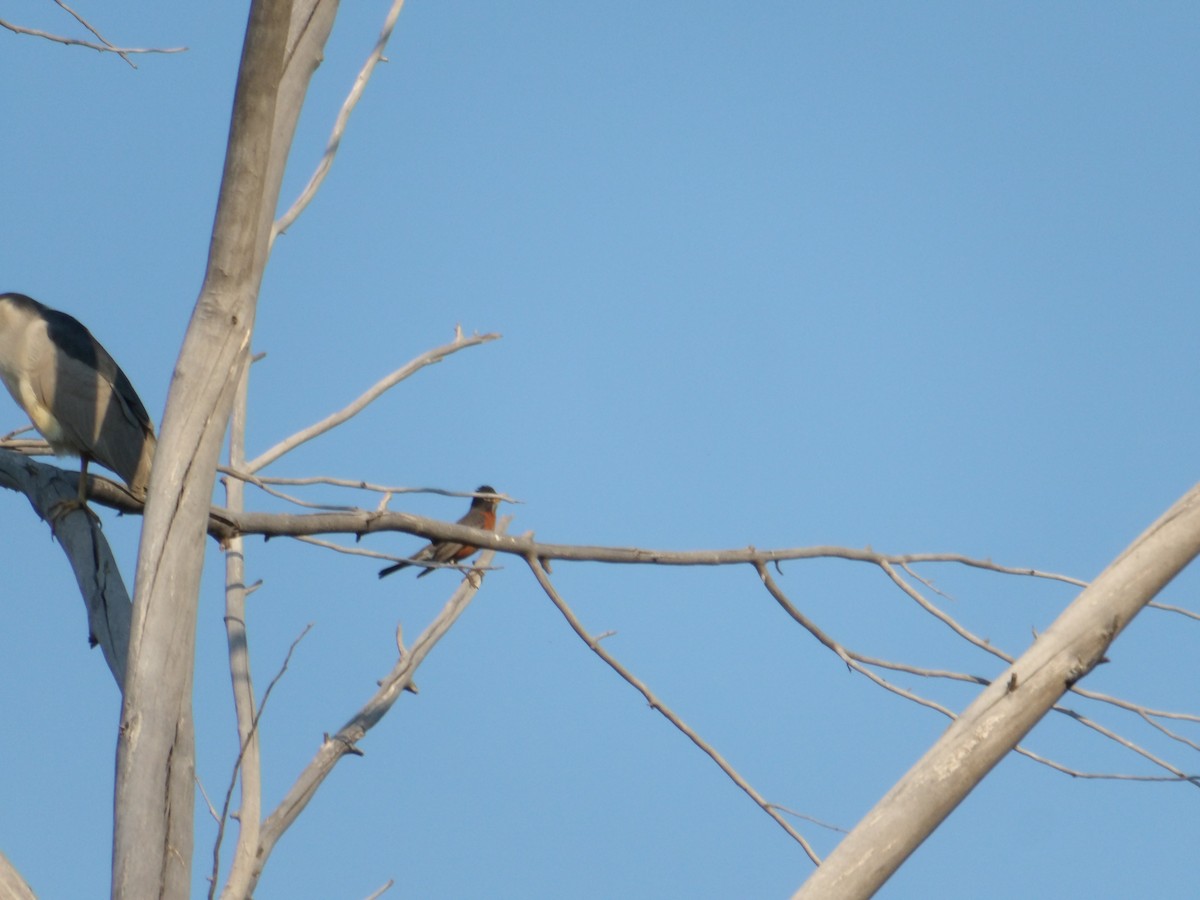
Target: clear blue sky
[920,278]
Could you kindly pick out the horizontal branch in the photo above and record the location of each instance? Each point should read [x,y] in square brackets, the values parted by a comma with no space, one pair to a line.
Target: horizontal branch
[359,522]
[226,523]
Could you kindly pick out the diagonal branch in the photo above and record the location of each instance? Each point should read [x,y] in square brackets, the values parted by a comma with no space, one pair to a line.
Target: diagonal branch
[435,355]
[109,609]
[12,885]
[593,643]
[938,614]
[345,741]
[284,222]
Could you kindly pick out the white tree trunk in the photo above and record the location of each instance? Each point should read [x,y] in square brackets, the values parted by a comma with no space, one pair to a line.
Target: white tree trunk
[152,840]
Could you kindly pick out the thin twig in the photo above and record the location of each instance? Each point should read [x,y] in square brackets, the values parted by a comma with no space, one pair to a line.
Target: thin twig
[327,480]
[238,762]
[1173,735]
[808,818]
[342,548]
[1008,658]
[212,810]
[926,581]
[1094,776]
[1166,607]
[383,890]
[1129,745]
[942,617]
[262,485]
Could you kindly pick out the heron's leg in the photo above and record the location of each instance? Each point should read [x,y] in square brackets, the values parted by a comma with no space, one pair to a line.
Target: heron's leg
[83,461]
[62,507]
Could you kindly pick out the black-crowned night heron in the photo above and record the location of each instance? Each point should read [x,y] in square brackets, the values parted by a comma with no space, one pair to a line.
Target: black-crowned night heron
[74,392]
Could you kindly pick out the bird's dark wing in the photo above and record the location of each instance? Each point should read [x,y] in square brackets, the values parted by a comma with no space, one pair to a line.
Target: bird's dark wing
[444,551]
[426,552]
[95,403]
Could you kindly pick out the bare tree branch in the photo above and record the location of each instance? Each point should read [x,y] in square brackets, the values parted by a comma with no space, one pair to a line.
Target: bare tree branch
[1151,720]
[105,47]
[425,359]
[212,810]
[226,525]
[345,741]
[248,765]
[354,483]
[1094,776]
[1178,610]
[669,714]
[339,126]
[938,614]
[807,818]
[266,488]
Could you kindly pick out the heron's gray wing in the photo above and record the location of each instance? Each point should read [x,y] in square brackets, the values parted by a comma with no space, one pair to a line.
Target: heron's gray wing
[94,402]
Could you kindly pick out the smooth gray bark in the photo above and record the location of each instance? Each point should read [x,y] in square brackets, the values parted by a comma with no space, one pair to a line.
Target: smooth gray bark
[12,885]
[153,809]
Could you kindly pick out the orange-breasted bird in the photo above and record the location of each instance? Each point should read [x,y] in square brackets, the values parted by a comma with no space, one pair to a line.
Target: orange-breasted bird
[482,514]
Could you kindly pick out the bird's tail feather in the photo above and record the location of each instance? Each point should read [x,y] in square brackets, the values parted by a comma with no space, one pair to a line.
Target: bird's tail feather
[383,573]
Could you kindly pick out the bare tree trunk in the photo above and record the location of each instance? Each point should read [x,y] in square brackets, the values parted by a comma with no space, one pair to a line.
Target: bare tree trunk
[1008,708]
[152,840]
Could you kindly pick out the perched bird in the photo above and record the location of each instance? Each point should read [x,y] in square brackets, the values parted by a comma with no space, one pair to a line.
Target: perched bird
[482,514]
[74,392]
